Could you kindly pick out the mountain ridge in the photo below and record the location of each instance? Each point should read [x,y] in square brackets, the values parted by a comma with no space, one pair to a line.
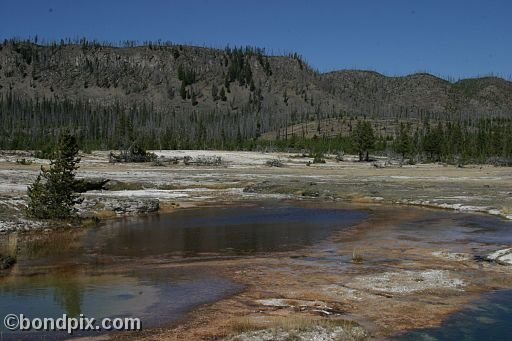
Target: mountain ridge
[152,66]
[235,91]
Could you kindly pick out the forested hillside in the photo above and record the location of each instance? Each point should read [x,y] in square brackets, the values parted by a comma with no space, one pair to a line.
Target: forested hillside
[174,96]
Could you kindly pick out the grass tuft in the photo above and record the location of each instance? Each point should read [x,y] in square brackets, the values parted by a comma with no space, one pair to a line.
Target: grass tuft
[357,257]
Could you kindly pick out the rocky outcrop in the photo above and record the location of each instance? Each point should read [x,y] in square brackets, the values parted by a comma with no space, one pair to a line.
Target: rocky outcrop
[85,185]
[91,207]
[503,257]
[16,224]
[119,206]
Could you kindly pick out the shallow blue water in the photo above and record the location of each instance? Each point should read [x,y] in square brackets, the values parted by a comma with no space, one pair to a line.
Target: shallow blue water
[488,318]
[448,226]
[228,230]
[53,279]
[156,301]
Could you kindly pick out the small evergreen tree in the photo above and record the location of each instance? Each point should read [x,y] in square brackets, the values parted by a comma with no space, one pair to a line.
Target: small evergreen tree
[363,139]
[53,194]
[403,143]
[432,142]
[215,92]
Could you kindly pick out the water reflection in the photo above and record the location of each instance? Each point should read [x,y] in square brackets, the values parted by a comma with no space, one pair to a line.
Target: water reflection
[154,299]
[65,271]
[232,230]
[70,294]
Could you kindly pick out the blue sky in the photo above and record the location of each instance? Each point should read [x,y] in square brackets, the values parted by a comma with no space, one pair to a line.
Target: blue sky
[455,38]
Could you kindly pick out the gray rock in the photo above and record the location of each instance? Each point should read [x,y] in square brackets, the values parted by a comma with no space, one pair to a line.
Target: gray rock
[503,256]
[121,206]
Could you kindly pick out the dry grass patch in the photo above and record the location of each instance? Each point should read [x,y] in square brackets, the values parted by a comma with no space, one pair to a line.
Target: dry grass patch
[115,185]
[105,214]
[58,242]
[166,206]
[294,322]
[357,256]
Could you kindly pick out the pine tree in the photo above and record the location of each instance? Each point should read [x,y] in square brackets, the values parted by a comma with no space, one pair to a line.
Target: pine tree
[363,138]
[215,92]
[38,197]
[403,141]
[193,97]
[222,95]
[432,142]
[227,83]
[53,194]
[183,90]
[124,131]
[239,138]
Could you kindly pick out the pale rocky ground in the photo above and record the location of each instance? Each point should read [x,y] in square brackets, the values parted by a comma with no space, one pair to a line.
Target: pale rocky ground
[401,283]
[503,256]
[136,188]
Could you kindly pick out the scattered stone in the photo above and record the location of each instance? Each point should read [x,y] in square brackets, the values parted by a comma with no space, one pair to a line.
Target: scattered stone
[202,160]
[285,302]
[503,257]
[452,255]
[274,163]
[23,162]
[121,206]
[158,163]
[261,187]
[20,224]
[407,281]
[379,164]
[317,333]
[339,290]
[273,302]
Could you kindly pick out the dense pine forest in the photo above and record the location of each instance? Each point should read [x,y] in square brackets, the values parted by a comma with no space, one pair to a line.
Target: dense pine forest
[168,96]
